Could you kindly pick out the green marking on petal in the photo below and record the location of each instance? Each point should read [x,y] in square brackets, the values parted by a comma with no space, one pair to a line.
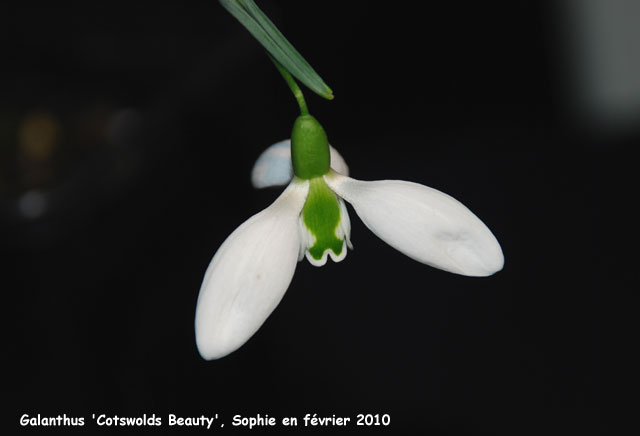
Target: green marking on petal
[321,216]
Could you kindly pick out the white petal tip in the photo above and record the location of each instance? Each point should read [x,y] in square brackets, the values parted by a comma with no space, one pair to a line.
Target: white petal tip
[473,252]
[212,349]
[473,264]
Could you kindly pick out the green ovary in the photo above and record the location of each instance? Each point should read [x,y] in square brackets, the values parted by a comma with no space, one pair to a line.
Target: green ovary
[321,215]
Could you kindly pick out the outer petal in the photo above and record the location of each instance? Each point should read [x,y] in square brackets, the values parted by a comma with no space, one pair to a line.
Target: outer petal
[249,275]
[423,223]
[273,166]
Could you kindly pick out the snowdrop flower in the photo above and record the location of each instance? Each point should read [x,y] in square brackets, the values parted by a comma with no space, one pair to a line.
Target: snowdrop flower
[253,268]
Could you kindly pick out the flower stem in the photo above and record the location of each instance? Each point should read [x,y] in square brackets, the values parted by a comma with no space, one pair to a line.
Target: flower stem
[295,89]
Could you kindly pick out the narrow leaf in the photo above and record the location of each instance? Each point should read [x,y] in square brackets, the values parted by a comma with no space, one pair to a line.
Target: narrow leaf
[254,20]
[285,45]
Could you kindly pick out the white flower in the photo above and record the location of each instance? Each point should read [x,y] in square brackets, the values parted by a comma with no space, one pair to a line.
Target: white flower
[251,271]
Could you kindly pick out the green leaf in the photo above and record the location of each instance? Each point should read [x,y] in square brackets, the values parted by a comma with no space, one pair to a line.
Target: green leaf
[263,29]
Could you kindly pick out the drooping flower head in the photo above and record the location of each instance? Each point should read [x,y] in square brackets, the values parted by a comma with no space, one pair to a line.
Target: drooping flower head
[251,271]
[253,268]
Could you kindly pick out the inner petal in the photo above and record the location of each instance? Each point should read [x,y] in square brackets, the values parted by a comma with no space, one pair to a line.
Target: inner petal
[321,217]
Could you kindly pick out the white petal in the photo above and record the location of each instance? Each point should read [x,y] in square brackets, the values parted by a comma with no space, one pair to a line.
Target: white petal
[423,223]
[345,224]
[273,166]
[249,275]
[337,162]
[306,238]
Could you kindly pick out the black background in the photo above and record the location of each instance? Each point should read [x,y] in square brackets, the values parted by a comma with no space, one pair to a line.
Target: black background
[469,98]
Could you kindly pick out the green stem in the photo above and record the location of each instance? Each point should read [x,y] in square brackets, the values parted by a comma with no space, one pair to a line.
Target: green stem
[295,89]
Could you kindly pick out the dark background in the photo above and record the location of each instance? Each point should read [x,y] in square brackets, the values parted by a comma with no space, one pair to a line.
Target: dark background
[127,134]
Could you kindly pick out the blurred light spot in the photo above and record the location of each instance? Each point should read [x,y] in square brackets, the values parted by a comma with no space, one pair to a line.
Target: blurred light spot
[32,204]
[38,135]
[606,51]
[121,126]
